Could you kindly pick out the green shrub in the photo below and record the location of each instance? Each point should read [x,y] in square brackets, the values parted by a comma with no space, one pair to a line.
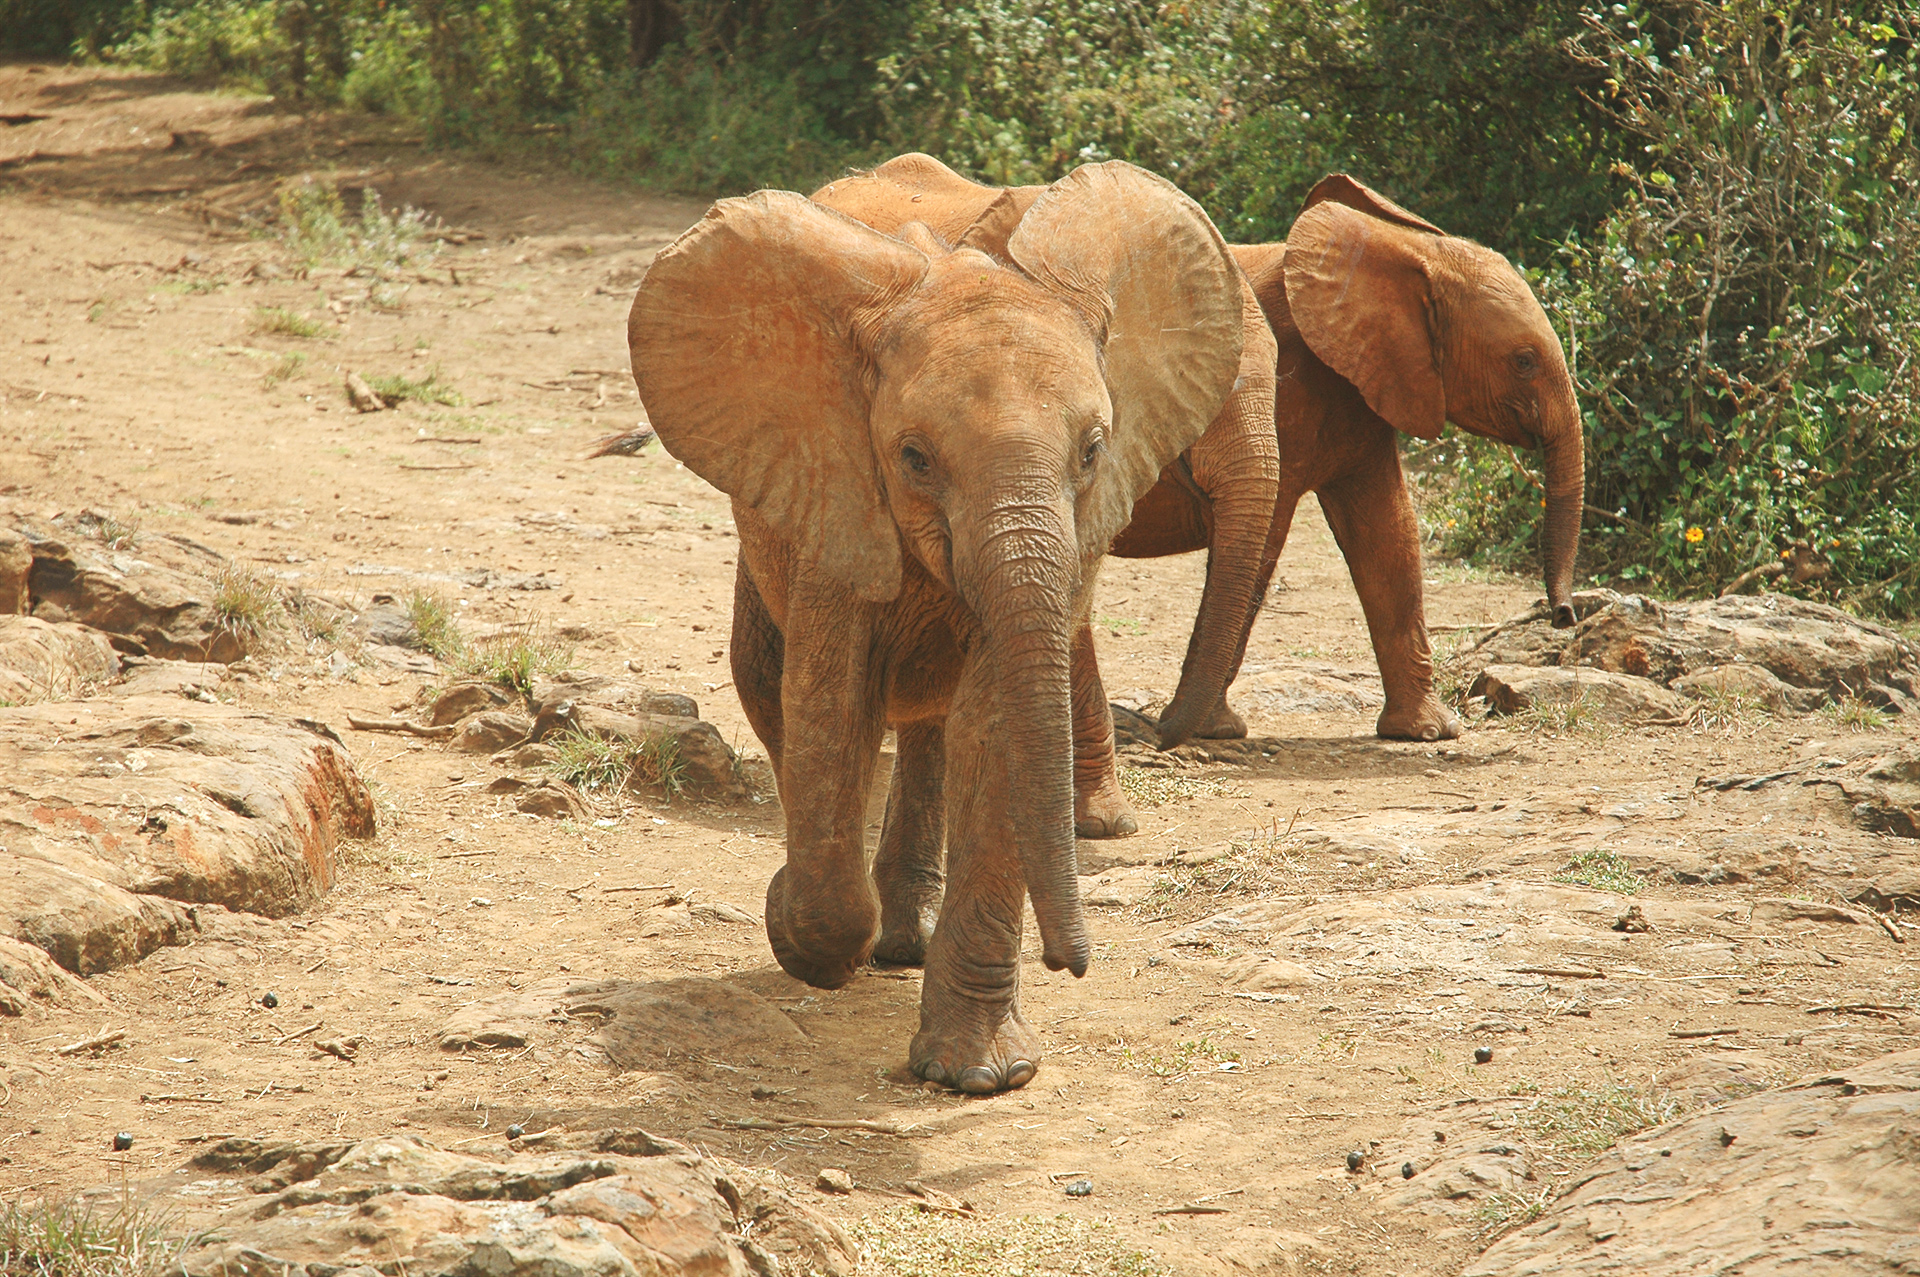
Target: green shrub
[1742,324]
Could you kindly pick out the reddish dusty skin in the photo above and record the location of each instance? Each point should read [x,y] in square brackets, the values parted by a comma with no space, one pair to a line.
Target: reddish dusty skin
[1382,322]
[928,452]
[1229,480]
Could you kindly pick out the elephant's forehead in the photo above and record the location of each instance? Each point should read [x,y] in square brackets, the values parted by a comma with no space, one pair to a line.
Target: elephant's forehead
[973,308]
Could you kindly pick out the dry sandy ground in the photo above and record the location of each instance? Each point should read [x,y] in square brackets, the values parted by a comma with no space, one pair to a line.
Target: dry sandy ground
[132,380]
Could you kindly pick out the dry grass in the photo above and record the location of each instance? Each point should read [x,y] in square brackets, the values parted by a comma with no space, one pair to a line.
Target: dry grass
[278,321]
[68,1239]
[245,603]
[1852,714]
[903,1242]
[514,658]
[1729,713]
[1592,1119]
[433,626]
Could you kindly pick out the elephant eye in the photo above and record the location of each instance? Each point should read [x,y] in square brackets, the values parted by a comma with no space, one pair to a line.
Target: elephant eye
[1525,362]
[914,459]
[1096,444]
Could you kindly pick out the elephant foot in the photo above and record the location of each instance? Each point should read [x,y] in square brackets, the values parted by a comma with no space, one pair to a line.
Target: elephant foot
[977,1063]
[1105,812]
[906,929]
[1225,724]
[829,947]
[1429,720]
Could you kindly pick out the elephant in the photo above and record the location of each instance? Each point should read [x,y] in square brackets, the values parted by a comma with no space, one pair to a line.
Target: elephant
[1232,472]
[1384,322]
[928,450]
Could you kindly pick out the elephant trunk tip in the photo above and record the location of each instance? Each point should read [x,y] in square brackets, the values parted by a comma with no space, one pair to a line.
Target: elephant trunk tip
[1075,958]
[1563,617]
[1177,725]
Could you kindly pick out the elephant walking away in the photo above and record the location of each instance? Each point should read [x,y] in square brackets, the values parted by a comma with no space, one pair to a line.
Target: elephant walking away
[929,449]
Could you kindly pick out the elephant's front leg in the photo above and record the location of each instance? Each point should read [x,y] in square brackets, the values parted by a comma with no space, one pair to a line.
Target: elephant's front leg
[822,913]
[971,1036]
[907,867]
[1373,522]
[1100,807]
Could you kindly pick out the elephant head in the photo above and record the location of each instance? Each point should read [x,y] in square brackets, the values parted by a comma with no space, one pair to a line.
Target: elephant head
[1431,328]
[888,405]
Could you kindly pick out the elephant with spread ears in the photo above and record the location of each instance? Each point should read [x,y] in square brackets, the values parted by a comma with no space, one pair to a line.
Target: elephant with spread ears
[1229,477]
[1385,324]
[929,449]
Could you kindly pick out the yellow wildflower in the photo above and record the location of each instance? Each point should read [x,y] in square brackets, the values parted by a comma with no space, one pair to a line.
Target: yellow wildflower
[1695,535]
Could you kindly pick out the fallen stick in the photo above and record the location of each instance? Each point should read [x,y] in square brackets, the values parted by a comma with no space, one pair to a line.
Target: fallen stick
[181,1099]
[98,1042]
[299,1033]
[1891,927]
[1564,973]
[397,725]
[1702,1033]
[820,1123]
[651,886]
[1192,1208]
[1878,1010]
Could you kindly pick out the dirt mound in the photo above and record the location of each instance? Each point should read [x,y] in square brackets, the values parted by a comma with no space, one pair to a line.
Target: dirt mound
[1819,1177]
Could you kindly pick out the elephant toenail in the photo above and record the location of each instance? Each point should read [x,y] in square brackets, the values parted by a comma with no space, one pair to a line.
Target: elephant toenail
[1020,1073]
[1430,732]
[979,1080]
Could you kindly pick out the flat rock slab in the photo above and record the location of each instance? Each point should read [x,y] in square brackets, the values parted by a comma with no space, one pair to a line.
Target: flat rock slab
[1607,697]
[613,1204]
[115,816]
[1818,1177]
[641,1024]
[1803,646]
[1514,934]
[41,661]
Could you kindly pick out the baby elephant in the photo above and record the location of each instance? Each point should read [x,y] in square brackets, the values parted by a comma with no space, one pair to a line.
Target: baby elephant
[928,450]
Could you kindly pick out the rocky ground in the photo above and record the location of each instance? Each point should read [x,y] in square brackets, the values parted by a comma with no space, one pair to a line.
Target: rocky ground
[294,890]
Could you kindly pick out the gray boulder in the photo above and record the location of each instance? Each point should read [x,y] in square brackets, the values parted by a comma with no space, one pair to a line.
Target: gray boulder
[1608,697]
[1817,653]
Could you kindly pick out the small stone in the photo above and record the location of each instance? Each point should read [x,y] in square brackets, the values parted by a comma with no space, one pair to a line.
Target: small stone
[1483,1055]
[833,1180]
[122,1141]
[1080,1188]
[1406,1170]
[515,1131]
[269,1000]
[1179,1113]
[761,1091]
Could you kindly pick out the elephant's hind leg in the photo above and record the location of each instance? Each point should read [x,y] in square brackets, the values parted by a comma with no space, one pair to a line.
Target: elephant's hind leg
[1100,807]
[907,868]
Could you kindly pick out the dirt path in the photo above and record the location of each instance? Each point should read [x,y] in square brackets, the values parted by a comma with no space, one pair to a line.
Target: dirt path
[1394,901]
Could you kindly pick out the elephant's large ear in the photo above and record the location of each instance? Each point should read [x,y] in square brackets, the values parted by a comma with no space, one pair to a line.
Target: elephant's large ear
[1341,189]
[1151,277]
[748,338]
[1360,296]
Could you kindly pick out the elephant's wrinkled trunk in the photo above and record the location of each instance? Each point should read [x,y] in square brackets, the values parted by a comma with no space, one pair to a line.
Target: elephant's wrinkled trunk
[1022,592]
[1565,471]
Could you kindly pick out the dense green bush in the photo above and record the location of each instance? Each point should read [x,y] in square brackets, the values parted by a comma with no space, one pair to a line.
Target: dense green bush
[1717,199]
[1745,322]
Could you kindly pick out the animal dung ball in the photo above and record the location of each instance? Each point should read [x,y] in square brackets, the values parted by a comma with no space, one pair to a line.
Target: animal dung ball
[515,1131]
[1080,1188]
[269,999]
[1483,1055]
[122,1141]
[1355,1160]
[1406,1170]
